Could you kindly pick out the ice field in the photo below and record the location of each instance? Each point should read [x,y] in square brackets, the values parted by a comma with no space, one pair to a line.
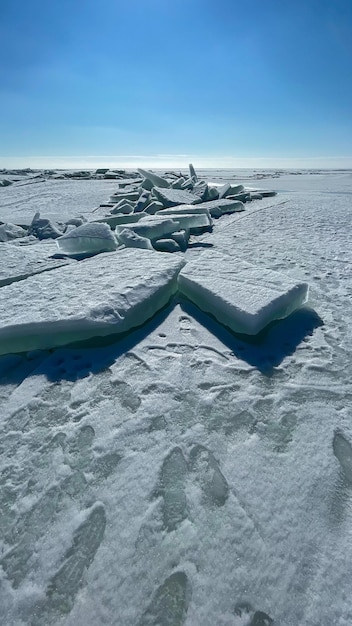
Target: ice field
[180,473]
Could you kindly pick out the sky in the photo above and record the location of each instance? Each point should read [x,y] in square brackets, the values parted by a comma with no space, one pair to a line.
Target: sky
[221,83]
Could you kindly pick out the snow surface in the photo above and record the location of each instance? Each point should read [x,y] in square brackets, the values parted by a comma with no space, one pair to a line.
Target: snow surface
[184,471]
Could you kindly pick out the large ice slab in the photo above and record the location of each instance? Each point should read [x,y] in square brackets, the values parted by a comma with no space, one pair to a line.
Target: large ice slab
[17,263]
[108,294]
[241,296]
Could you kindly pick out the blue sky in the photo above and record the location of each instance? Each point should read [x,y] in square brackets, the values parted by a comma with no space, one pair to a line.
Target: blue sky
[221,82]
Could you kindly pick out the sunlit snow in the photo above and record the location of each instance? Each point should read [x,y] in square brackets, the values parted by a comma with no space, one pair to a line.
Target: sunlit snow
[181,474]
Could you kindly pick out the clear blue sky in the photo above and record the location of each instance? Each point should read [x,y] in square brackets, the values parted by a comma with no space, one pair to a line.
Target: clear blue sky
[219,81]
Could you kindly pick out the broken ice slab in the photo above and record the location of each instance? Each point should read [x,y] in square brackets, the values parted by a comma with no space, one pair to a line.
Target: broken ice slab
[107,294]
[123,206]
[225,206]
[116,220]
[130,239]
[43,228]
[151,227]
[124,195]
[11,231]
[17,263]
[154,178]
[172,197]
[189,221]
[184,208]
[166,245]
[89,238]
[241,296]
[192,172]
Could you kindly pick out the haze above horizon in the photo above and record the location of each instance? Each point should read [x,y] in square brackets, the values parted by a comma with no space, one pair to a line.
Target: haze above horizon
[155,83]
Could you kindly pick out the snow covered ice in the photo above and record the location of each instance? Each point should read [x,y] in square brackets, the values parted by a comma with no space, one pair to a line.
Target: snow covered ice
[241,296]
[108,294]
[178,473]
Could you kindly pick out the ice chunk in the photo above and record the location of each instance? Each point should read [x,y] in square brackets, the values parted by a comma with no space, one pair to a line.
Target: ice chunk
[201,190]
[43,228]
[146,184]
[224,190]
[239,295]
[192,172]
[188,184]
[107,294]
[87,239]
[173,197]
[130,239]
[153,207]
[123,206]
[154,178]
[144,199]
[181,237]
[177,184]
[213,193]
[11,231]
[166,245]
[152,227]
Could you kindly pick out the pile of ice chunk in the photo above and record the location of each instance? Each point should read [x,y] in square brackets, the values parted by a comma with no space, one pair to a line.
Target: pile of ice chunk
[190,202]
[110,294]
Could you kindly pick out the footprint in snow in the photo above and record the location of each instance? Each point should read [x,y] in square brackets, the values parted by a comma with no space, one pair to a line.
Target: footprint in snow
[29,527]
[171,487]
[343,452]
[170,602]
[64,585]
[185,324]
[212,481]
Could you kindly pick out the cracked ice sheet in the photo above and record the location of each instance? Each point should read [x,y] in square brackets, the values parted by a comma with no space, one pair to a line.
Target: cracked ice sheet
[280,540]
[17,263]
[107,294]
[244,297]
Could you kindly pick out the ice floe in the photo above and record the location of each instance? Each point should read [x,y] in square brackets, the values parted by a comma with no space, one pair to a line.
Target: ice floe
[244,297]
[108,294]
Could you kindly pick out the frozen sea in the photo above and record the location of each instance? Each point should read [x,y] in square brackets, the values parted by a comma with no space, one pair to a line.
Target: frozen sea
[185,475]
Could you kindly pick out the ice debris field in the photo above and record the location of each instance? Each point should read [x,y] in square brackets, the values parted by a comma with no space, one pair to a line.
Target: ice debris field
[176,441]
